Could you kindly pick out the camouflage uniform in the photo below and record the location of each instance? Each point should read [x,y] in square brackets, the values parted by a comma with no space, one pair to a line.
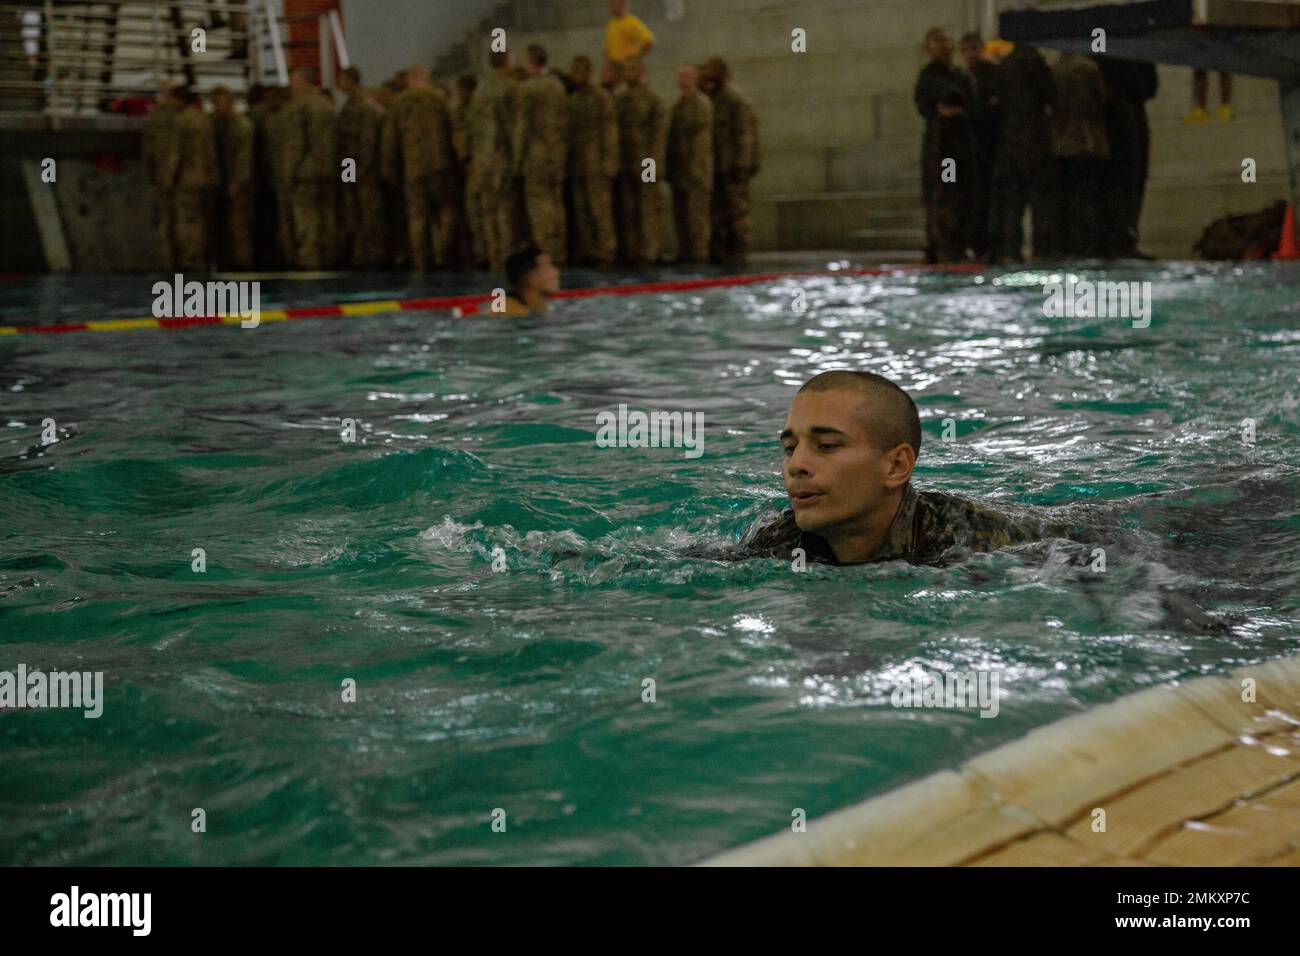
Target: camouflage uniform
[642,131]
[927,525]
[277,142]
[362,204]
[267,219]
[396,234]
[593,164]
[419,145]
[191,174]
[735,163]
[311,152]
[158,135]
[690,173]
[491,131]
[541,138]
[234,135]
[469,211]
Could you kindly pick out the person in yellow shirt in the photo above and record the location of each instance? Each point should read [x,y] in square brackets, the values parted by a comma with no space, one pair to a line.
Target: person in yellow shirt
[626,37]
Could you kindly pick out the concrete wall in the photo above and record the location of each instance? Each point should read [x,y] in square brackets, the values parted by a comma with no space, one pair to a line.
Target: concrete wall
[384,35]
[841,138]
[105,208]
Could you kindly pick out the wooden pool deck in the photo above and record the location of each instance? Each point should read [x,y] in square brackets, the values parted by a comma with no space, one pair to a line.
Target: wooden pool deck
[1191,774]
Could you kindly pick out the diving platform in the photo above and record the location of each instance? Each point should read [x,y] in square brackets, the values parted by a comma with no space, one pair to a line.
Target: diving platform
[1248,37]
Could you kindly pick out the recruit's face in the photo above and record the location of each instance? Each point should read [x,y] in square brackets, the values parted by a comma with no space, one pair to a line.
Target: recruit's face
[545,278]
[970,52]
[617,8]
[687,79]
[835,476]
[580,73]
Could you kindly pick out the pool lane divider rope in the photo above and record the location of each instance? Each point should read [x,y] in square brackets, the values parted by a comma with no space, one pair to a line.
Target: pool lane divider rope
[458,305]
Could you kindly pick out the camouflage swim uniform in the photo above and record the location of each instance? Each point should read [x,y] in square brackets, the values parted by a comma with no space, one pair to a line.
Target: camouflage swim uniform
[927,525]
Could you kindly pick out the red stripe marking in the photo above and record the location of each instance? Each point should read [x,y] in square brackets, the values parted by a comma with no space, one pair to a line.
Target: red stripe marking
[468,304]
[54,329]
[184,322]
[446,302]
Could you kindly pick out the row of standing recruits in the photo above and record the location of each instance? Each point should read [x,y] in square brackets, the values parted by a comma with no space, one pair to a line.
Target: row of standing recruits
[406,178]
[1069,141]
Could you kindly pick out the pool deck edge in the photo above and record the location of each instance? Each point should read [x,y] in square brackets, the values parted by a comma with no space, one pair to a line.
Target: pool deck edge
[1205,772]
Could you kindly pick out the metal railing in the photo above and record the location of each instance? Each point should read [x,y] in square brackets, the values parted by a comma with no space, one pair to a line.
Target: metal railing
[62,59]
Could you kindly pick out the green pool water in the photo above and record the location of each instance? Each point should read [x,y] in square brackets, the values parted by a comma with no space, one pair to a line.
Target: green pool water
[521,689]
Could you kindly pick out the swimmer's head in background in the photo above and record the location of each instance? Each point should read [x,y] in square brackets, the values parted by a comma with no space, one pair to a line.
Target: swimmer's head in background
[531,271]
[851,440]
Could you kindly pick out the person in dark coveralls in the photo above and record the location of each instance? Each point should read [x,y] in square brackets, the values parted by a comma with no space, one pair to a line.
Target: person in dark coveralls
[985,111]
[1022,169]
[1129,84]
[942,95]
[850,444]
[1081,149]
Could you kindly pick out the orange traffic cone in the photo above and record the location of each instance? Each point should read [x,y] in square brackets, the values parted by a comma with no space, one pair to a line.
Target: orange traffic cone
[1287,249]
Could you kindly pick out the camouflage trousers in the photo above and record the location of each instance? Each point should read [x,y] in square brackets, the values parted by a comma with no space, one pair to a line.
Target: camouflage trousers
[167,228]
[950,210]
[692,214]
[544,199]
[513,231]
[192,218]
[729,242]
[284,235]
[488,202]
[237,230]
[594,239]
[397,236]
[471,239]
[314,224]
[482,225]
[266,237]
[640,205]
[431,220]
[361,211]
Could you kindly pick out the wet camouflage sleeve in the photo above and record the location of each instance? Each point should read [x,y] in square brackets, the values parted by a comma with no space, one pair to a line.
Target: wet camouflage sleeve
[928,525]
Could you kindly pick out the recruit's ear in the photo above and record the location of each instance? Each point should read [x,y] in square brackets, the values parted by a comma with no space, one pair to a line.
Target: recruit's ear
[899,462]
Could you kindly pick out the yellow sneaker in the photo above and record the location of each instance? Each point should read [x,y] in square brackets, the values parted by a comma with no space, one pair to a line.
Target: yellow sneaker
[1225,113]
[1197,115]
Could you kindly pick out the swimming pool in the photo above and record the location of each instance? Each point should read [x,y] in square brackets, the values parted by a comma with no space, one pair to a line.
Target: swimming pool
[521,689]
